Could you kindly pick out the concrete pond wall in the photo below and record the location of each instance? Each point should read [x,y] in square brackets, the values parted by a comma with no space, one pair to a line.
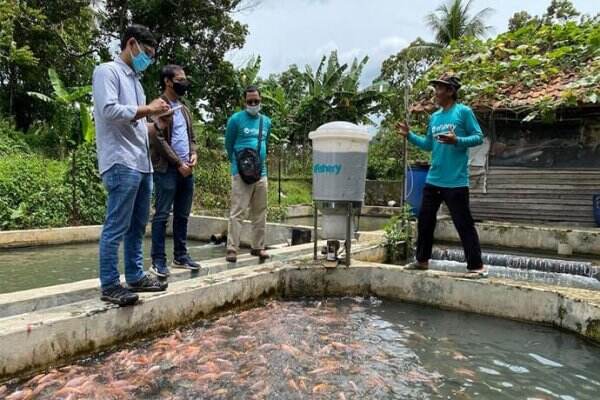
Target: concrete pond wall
[199,228]
[527,237]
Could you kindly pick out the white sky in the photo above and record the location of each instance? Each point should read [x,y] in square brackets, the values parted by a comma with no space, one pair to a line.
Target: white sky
[285,32]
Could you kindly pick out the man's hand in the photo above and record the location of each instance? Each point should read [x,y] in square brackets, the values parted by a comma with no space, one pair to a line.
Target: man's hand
[185,170]
[193,160]
[158,106]
[402,128]
[449,138]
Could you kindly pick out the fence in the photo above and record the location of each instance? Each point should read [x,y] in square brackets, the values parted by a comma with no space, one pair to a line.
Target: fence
[294,161]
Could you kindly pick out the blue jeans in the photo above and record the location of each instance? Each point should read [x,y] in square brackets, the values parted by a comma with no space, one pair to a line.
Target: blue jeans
[172,190]
[127,210]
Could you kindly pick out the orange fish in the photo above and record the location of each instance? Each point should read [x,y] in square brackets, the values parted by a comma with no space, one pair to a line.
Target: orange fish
[20,395]
[267,347]
[258,385]
[353,386]
[465,372]
[68,391]
[321,388]
[76,381]
[339,346]
[290,350]
[292,384]
[48,377]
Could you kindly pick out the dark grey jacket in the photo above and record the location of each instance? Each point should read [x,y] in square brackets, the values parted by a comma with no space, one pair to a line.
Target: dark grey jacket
[161,152]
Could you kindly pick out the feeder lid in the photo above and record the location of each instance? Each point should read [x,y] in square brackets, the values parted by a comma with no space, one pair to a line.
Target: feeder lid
[342,130]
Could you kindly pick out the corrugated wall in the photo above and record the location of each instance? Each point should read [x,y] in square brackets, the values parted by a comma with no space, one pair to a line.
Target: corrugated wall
[535,195]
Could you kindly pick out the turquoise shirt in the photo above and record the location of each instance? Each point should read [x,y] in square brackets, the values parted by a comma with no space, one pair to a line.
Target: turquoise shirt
[449,162]
[242,133]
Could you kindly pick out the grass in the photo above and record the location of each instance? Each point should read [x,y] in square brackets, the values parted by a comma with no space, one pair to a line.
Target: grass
[293,192]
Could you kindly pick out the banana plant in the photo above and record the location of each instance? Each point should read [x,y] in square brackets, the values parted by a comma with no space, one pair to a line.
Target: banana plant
[74,98]
[333,92]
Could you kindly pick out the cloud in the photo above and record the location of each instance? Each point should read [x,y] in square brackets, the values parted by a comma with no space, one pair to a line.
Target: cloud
[393,43]
[285,32]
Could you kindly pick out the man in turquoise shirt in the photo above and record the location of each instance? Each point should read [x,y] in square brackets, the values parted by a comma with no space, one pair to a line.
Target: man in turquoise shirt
[452,130]
[243,131]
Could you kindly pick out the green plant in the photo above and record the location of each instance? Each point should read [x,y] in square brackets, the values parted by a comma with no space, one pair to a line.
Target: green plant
[399,235]
[85,186]
[69,102]
[213,180]
[32,192]
[276,213]
[11,141]
[528,59]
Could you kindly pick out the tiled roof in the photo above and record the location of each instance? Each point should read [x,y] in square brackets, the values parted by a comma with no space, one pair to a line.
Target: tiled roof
[516,96]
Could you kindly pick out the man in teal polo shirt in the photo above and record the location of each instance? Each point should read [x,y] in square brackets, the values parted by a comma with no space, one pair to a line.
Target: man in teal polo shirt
[452,130]
[242,133]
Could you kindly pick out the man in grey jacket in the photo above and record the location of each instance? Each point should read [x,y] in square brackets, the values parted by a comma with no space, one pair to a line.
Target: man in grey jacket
[174,157]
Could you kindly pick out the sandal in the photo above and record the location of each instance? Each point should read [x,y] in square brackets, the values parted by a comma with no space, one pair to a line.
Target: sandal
[260,253]
[417,266]
[476,273]
[231,256]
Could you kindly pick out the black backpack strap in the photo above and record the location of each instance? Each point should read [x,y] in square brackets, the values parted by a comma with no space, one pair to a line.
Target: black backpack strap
[260,131]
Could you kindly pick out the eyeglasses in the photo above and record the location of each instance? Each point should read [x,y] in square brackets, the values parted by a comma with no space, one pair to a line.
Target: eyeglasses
[253,102]
[150,52]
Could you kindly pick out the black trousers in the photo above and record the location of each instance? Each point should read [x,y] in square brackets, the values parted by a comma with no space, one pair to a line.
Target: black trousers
[457,201]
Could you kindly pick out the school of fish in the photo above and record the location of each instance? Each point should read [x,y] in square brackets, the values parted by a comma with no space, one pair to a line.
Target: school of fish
[282,350]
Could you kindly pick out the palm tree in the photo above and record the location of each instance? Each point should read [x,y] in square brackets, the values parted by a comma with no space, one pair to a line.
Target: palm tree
[453,20]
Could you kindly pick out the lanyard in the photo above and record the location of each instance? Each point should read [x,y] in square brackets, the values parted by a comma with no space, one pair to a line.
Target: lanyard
[137,101]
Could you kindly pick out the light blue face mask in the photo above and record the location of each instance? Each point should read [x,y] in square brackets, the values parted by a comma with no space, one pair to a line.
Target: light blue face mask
[253,110]
[140,62]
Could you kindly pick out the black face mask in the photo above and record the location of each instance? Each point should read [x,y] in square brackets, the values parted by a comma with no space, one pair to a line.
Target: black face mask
[181,87]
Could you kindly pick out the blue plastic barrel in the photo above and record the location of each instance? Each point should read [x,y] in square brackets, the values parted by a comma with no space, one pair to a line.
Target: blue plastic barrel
[414,184]
[596,205]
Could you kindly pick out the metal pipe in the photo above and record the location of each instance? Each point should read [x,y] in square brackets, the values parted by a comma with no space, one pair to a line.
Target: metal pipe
[348,233]
[405,141]
[315,212]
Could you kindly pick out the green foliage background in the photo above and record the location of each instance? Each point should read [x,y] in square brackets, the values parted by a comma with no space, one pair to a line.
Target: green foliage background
[48,172]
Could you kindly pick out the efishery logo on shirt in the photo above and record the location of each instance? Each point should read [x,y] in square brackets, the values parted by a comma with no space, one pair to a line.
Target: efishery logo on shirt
[443,128]
[329,169]
[250,132]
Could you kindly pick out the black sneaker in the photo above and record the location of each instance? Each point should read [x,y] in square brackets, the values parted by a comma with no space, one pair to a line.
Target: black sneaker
[148,284]
[119,295]
[185,262]
[159,268]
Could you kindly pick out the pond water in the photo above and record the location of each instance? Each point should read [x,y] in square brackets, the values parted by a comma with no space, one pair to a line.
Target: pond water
[351,348]
[33,267]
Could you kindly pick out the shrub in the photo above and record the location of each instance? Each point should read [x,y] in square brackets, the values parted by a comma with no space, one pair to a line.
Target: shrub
[32,192]
[11,140]
[87,202]
[213,180]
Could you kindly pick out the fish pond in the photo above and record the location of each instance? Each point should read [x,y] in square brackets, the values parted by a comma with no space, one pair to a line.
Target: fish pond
[34,267]
[349,348]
